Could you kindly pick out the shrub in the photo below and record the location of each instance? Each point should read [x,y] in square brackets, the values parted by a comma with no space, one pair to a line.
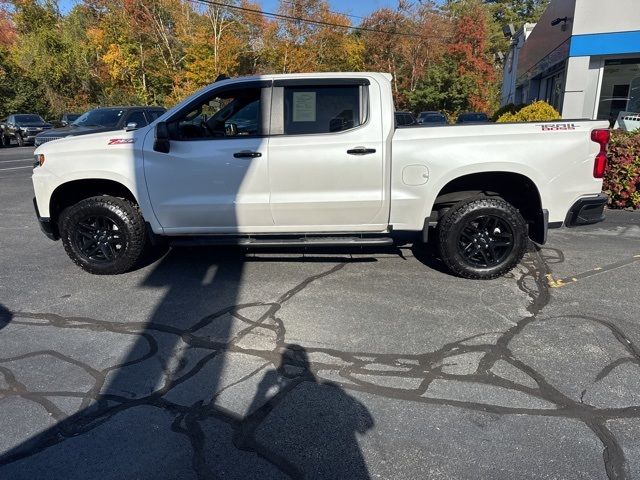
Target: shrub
[622,177]
[508,108]
[536,112]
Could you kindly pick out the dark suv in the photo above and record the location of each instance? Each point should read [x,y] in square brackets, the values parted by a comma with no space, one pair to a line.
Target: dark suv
[103,119]
[23,127]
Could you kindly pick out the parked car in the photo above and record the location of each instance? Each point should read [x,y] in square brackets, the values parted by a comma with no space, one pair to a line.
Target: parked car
[104,119]
[23,128]
[319,163]
[68,118]
[432,119]
[404,119]
[472,117]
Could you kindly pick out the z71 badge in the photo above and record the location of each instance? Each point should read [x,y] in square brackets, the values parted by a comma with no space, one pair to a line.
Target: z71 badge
[554,127]
[121,141]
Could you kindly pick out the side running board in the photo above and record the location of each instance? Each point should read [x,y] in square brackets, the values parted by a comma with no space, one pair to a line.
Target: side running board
[273,241]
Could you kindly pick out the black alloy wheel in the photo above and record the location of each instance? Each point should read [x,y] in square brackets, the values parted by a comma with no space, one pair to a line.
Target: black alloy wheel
[482,238]
[98,238]
[104,235]
[485,241]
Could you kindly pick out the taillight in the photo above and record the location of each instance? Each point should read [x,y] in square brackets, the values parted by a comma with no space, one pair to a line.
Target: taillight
[601,137]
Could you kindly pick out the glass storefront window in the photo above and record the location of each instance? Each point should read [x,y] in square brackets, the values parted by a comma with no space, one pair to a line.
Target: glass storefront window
[553,90]
[620,90]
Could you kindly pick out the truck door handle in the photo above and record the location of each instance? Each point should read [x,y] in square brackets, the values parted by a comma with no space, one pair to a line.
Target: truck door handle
[247,154]
[361,151]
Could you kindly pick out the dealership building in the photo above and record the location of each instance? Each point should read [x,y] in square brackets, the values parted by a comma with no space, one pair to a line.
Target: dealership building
[583,57]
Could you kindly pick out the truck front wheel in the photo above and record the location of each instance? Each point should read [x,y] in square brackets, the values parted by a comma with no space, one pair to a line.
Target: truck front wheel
[482,238]
[103,235]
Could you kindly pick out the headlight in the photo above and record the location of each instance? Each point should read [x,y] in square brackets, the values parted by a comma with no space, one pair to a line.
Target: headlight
[38,160]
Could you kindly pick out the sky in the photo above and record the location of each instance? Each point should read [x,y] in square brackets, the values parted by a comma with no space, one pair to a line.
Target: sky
[360,8]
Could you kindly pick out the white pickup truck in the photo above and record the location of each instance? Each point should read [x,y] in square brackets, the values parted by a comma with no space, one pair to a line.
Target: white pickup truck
[316,160]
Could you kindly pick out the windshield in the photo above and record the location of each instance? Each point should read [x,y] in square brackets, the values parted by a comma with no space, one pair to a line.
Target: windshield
[433,119]
[29,119]
[72,117]
[100,117]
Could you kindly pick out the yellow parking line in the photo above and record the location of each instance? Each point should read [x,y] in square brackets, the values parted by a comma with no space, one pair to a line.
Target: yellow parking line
[561,282]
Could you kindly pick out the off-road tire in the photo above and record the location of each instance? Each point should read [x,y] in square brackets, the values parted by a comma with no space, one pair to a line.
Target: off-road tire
[466,215]
[129,227]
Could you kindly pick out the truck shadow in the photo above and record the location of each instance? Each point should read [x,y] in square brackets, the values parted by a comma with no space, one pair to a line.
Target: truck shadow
[172,407]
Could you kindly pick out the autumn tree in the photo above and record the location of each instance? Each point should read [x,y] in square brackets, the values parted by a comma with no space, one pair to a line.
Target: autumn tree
[442,54]
[304,46]
[469,50]
[405,42]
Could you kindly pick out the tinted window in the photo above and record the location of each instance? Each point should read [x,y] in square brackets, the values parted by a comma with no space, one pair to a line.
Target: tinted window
[71,117]
[404,119]
[153,115]
[328,109]
[226,114]
[29,119]
[434,119]
[101,117]
[138,119]
[472,117]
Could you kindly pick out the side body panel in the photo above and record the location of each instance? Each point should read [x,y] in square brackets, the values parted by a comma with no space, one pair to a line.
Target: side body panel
[316,186]
[115,156]
[199,187]
[559,161]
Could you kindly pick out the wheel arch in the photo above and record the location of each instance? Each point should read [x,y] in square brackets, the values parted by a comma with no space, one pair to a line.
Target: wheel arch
[516,188]
[73,191]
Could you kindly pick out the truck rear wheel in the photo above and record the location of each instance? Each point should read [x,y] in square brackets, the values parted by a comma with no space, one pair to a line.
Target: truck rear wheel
[103,235]
[482,238]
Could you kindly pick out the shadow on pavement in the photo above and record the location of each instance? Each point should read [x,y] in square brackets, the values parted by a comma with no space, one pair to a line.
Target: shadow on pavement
[314,431]
[187,386]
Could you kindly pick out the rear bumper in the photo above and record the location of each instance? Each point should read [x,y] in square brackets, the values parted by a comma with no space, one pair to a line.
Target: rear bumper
[586,211]
[46,225]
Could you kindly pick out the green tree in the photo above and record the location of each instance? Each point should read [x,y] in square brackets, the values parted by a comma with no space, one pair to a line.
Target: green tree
[517,12]
[442,88]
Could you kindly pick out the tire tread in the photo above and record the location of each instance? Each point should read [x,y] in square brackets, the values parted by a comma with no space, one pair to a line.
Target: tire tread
[468,206]
[129,213]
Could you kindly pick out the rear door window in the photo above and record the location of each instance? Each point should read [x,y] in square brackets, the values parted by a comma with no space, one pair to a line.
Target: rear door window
[321,109]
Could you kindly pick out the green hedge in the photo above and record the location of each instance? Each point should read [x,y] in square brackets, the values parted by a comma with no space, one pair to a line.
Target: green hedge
[622,177]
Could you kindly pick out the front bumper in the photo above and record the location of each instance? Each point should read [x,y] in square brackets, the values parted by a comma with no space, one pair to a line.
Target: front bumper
[49,228]
[586,211]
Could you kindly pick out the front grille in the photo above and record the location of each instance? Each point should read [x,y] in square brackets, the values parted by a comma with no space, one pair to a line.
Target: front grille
[41,140]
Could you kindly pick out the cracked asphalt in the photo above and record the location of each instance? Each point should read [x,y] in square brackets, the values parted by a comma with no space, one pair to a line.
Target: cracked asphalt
[364,364]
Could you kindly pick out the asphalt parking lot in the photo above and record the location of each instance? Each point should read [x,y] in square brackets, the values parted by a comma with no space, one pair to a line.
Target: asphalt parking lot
[369,364]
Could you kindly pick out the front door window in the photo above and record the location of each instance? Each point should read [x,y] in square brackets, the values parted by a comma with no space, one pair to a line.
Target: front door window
[234,113]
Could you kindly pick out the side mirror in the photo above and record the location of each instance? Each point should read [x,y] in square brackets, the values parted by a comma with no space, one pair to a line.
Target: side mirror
[131,126]
[162,143]
[230,129]
[64,123]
